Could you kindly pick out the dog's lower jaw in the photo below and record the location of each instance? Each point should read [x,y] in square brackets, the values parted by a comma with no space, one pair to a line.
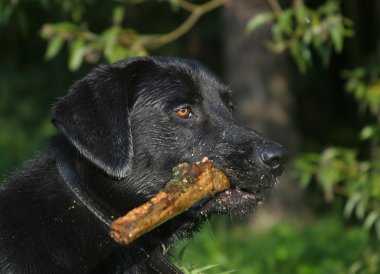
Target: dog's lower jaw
[232,202]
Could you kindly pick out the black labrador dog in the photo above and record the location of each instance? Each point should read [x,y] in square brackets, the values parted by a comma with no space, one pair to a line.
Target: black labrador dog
[122,129]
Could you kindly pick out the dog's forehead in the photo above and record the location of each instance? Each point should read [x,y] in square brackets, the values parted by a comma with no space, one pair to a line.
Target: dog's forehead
[182,83]
[199,82]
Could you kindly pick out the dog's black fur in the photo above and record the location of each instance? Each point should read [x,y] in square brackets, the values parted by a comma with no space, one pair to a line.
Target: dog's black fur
[119,129]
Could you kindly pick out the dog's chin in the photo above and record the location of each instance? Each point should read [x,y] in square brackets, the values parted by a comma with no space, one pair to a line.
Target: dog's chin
[234,202]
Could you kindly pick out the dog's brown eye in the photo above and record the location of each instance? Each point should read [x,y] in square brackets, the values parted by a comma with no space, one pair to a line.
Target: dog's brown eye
[184,112]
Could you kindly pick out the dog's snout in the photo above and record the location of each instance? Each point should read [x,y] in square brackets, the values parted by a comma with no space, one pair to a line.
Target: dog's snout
[274,156]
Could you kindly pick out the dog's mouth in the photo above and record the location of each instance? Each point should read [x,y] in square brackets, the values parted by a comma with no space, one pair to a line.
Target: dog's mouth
[233,201]
[243,196]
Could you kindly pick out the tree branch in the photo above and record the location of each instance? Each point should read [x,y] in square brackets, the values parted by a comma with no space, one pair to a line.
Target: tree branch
[155,41]
[275,6]
[187,5]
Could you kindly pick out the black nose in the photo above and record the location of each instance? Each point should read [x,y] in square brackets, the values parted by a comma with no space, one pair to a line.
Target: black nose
[274,156]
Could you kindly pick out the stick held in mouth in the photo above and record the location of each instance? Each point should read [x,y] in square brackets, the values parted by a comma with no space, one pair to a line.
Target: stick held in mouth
[190,184]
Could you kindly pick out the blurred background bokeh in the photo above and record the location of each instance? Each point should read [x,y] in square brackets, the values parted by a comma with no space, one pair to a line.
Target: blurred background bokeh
[305,73]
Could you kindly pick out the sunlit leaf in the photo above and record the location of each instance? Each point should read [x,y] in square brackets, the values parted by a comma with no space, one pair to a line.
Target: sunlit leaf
[110,37]
[259,20]
[77,52]
[203,268]
[278,36]
[54,47]
[337,37]
[371,219]
[329,8]
[297,54]
[305,180]
[118,15]
[351,203]
[175,5]
[361,209]
[285,21]
[367,132]
[301,13]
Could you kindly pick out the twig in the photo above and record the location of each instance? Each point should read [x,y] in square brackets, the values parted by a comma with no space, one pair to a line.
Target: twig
[276,7]
[129,39]
[190,184]
[155,41]
[187,5]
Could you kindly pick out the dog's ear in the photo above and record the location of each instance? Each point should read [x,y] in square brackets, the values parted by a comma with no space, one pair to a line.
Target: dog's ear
[94,115]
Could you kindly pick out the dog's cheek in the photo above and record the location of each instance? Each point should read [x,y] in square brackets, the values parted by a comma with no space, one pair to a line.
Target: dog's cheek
[197,143]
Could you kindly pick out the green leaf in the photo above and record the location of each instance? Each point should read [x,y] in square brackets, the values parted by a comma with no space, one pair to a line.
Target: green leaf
[77,51]
[65,26]
[324,51]
[305,180]
[277,47]
[373,133]
[361,209]
[329,8]
[371,219]
[278,36]
[118,15]
[175,5]
[285,21]
[181,252]
[298,50]
[258,21]
[54,47]
[5,14]
[367,132]
[306,167]
[351,204]
[110,37]
[203,268]
[337,36]
[301,14]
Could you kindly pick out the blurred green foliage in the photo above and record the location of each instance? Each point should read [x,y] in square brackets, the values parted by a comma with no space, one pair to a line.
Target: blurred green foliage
[115,41]
[25,126]
[324,246]
[364,84]
[351,173]
[302,30]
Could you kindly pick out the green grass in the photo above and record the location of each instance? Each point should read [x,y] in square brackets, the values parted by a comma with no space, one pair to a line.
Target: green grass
[324,246]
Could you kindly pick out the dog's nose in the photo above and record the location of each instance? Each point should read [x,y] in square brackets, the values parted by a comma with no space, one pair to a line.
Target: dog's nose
[274,156]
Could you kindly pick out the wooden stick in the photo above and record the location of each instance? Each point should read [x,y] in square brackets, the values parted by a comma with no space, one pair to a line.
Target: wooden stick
[191,183]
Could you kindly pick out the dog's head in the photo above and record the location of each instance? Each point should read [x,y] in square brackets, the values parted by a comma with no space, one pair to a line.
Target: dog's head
[136,119]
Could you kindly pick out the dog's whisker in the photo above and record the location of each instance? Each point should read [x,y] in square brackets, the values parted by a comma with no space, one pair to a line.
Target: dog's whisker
[233,81]
[211,228]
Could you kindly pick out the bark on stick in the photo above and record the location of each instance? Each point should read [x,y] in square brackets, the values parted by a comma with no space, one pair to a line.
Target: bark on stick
[191,183]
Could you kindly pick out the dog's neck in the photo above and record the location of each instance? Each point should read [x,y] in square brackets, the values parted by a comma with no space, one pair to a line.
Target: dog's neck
[67,167]
[104,213]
